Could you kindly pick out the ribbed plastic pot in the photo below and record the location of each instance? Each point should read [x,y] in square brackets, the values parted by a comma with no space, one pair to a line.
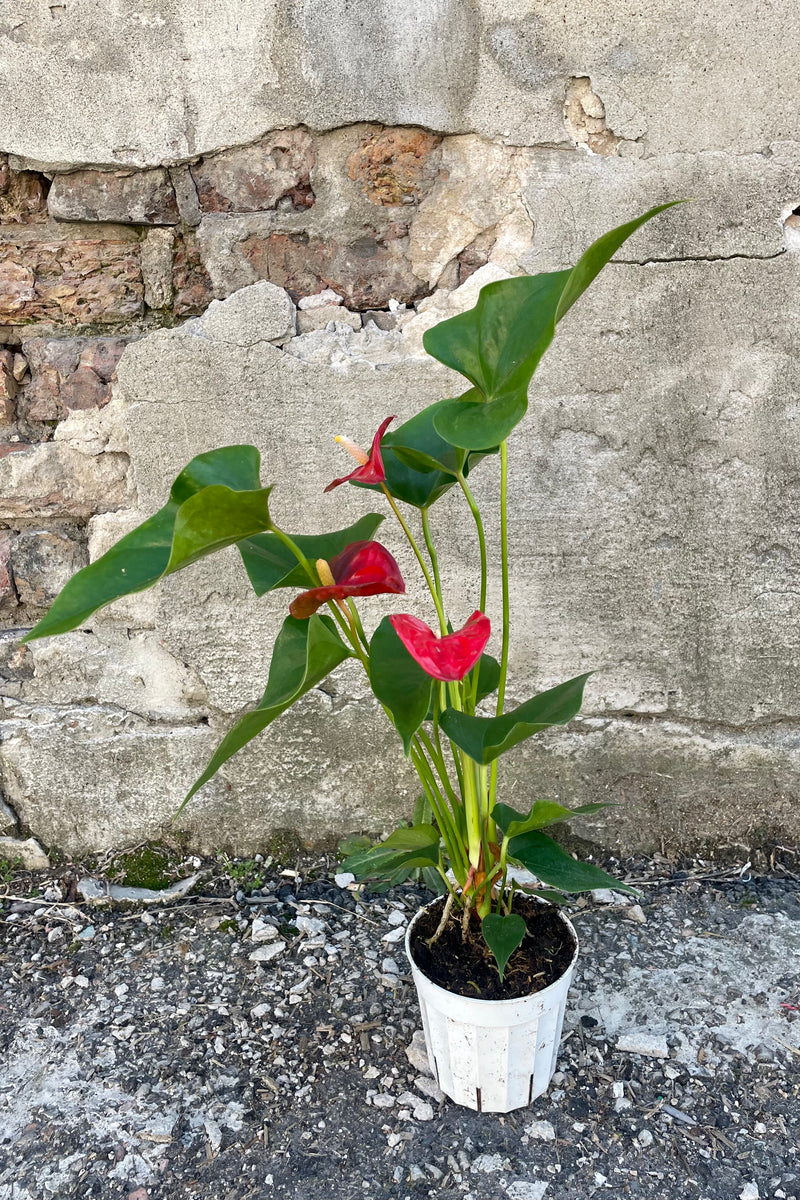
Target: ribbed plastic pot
[492,1055]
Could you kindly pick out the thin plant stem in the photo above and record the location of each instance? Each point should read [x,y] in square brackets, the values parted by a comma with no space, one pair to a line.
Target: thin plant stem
[296,551]
[473,507]
[431,585]
[426,532]
[501,687]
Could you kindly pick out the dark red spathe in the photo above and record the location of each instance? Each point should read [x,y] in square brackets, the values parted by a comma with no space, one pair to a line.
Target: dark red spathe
[362,569]
[372,471]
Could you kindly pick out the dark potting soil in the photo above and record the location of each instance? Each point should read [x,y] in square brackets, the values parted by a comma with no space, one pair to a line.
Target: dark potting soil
[468,967]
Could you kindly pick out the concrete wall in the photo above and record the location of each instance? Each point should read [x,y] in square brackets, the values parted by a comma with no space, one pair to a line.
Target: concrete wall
[178,178]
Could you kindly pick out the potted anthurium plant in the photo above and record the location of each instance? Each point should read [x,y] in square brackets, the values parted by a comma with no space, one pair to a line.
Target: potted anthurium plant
[491,960]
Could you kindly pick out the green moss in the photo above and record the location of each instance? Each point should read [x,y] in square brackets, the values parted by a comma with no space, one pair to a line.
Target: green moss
[8,868]
[147,867]
[228,926]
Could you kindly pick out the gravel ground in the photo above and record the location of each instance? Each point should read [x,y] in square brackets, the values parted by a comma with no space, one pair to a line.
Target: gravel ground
[231,1046]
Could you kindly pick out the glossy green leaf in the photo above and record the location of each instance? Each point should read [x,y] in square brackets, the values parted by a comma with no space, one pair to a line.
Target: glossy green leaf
[488,676]
[420,465]
[414,847]
[499,343]
[503,935]
[398,683]
[305,653]
[486,738]
[270,564]
[214,518]
[142,557]
[550,862]
[542,813]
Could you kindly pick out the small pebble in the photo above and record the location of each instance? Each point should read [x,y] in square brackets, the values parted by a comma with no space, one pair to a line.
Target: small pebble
[265,954]
[651,1045]
[543,1131]
[645,1138]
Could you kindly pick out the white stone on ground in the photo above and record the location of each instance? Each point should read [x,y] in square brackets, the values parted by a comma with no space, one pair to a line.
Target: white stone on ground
[262,931]
[652,1045]
[526,1189]
[265,954]
[543,1131]
[417,1054]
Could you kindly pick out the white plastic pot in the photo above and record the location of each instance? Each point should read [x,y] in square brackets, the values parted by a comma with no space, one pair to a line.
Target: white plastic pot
[492,1055]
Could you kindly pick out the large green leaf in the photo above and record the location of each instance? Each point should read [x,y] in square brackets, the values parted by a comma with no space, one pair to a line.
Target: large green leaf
[542,813]
[304,653]
[142,557]
[420,465]
[503,935]
[270,564]
[398,683]
[550,863]
[499,343]
[214,518]
[405,848]
[486,738]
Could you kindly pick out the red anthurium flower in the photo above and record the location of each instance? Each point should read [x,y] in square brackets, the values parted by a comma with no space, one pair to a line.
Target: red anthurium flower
[371,468]
[445,658]
[362,569]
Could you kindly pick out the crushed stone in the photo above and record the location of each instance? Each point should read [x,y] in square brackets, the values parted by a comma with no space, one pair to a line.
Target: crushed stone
[162,1057]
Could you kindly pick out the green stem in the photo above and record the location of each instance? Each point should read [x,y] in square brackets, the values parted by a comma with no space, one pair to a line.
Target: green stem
[431,586]
[297,552]
[465,488]
[501,687]
[440,809]
[426,532]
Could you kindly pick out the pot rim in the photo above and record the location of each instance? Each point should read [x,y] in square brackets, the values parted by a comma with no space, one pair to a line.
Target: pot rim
[497,1005]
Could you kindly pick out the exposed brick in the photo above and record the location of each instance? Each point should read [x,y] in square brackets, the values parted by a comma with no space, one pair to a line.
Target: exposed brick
[193,291]
[68,280]
[396,166]
[42,562]
[23,196]
[8,593]
[125,197]
[8,388]
[367,273]
[69,374]
[256,178]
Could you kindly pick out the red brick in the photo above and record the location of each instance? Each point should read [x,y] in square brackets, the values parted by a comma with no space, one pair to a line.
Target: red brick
[255,178]
[68,374]
[125,197]
[193,291]
[396,166]
[367,273]
[23,196]
[68,280]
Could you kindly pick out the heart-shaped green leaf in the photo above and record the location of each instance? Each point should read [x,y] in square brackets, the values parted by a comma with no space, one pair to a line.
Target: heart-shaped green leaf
[541,813]
[486,738]
[304,653]
[420,465]
[270,564]
[499,343]
[405,848]
[398,683]
[143,556]
[550,863]
[214,518]
[503,935]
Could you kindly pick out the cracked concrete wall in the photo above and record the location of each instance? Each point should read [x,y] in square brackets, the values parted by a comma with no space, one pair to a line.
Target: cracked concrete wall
[656,485]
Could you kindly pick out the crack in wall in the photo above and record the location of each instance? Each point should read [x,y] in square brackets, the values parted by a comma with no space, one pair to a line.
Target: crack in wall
[698,258]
